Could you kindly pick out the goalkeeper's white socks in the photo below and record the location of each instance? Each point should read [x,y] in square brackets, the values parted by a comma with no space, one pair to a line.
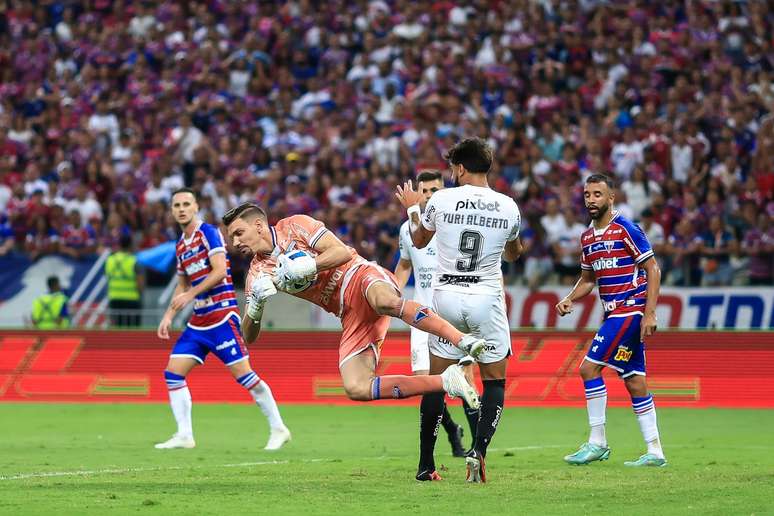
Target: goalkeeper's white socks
[645,410]
[596,404]
[180,400]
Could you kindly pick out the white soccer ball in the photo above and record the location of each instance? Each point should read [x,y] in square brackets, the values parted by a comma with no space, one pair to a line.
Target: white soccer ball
[303,284]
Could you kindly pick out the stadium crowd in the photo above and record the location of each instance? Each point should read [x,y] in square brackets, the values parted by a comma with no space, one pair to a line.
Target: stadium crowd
[323,107]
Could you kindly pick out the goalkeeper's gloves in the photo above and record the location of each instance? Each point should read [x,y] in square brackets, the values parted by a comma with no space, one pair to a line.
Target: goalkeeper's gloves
[289,271]
[261,289]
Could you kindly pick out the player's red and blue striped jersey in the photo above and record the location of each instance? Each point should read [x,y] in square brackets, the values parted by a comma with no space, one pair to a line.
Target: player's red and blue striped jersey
[193,260]
[615,254]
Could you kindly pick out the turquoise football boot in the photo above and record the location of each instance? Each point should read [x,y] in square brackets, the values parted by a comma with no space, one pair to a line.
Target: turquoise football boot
[647,460]
[588,453]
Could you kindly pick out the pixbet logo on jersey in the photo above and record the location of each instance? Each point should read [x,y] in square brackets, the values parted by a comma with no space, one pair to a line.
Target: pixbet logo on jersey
[478,204]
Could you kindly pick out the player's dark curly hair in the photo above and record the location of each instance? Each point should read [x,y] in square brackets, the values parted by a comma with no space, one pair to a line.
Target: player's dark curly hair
[472,153]
[246,210]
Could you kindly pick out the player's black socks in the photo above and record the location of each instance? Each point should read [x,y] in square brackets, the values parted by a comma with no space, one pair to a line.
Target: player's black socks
[430,415]
[472,415]
[492,401]
[448,423]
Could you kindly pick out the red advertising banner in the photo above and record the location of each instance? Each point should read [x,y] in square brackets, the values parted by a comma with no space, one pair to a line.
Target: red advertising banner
[688,369]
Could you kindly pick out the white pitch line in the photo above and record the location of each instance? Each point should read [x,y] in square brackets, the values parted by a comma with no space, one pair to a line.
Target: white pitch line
[121,471]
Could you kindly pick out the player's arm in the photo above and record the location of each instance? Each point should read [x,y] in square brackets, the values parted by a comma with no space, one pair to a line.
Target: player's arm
[582,288]
[653,272]
[331,252]
[250,329]
[421,232]
[513,250]
[403,272]
[216,275]
[166,321]
[420,235]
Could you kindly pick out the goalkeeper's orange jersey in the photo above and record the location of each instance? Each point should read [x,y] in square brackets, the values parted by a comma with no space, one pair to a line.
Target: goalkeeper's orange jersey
[301,232]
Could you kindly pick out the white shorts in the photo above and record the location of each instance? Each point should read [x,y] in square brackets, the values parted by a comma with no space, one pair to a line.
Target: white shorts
[420,353]
[481,315]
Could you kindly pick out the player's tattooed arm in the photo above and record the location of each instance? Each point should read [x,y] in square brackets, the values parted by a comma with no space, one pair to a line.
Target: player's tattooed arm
[332,252]
[649,322]
[582,288]
[513,250]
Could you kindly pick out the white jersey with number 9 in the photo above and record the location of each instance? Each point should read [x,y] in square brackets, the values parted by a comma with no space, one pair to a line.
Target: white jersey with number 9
[472,224]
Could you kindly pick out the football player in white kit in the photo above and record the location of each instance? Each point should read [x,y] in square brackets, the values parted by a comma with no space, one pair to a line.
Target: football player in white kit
[423,262]
[476,229]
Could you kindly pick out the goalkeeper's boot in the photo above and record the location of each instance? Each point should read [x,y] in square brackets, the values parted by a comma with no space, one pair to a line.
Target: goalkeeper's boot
[587,454]
[177,441]
[647,460]
[471,345]
[277,438]
[456,385]
[427,475]
[476,468]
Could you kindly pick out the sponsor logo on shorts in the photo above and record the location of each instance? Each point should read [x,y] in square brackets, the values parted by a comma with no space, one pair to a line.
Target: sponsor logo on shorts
[226,344]
[623,354]
[452,279]
[599,338]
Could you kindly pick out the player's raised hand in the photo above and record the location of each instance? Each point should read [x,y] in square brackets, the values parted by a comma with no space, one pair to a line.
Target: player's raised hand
[564,307]
[407,195]
[648,326]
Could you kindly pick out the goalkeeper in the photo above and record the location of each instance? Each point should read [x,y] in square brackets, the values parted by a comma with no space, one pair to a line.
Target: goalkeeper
[300,256]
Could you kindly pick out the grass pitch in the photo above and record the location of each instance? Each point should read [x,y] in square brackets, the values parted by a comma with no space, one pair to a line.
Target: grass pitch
[99,459]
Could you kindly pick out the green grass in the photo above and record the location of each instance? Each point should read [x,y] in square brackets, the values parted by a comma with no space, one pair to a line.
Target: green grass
[362,460]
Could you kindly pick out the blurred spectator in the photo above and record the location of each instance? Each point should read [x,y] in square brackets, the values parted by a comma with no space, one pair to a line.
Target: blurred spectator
[683,249]
[567,248]
[125,282]
[49,311]
[717,247]
[236,98]
[77,241]
[639,191]
[758,244]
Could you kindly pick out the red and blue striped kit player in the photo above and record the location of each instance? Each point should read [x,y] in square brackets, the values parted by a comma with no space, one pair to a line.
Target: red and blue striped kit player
[193,260]
[618,259]
[615,254]
[204,280]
